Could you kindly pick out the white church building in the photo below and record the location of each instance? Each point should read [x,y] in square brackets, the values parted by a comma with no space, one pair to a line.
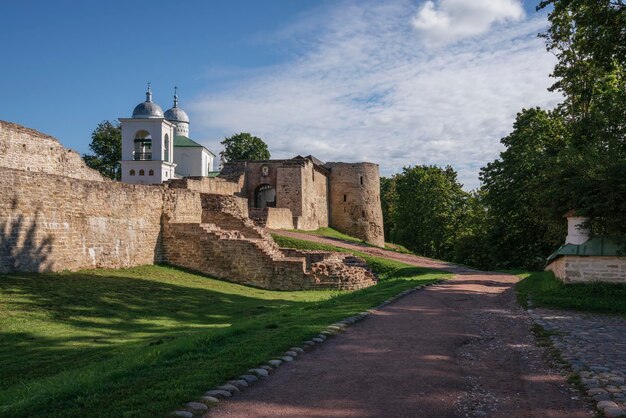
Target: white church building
[156,146]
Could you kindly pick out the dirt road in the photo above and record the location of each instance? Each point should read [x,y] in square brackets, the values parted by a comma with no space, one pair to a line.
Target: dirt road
[461,348]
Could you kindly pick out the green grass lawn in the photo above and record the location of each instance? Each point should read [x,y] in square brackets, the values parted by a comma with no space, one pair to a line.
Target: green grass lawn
[140,342]
[333,233]
[547,291]
[330,233]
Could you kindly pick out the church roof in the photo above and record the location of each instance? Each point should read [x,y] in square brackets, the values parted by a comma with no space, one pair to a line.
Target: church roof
[183,141]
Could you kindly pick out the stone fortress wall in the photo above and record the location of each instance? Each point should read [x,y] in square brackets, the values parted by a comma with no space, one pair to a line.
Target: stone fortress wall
[58,214]
[354,202]
[345,196]
[300,187]
[26,149]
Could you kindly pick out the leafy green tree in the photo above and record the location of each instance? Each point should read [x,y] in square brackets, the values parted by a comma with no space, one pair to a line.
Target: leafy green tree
[243,146]
[471,245]
[589,41]
[388,201]
[428,210]
[517,190]
[106,145]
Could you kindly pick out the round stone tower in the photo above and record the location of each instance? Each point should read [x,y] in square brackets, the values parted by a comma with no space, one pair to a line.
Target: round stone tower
[354,201]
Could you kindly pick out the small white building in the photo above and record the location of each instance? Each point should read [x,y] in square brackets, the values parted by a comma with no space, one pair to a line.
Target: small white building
[156,146]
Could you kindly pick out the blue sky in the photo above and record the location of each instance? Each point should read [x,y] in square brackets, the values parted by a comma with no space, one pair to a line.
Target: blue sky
[394,82]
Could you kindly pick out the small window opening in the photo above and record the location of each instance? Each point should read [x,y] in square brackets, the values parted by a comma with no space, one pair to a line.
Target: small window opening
[151,173]
[344,197]
[142,173]
[132,172]
[363,213]
[361,178]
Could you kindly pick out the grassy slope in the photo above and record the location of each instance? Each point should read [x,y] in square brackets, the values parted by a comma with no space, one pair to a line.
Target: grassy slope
[330,233]
[140,341]
[547,291]
[333,233]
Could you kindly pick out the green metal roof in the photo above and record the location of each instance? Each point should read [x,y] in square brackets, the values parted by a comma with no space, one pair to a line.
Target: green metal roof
[183,141]
[599,246]
[213,173]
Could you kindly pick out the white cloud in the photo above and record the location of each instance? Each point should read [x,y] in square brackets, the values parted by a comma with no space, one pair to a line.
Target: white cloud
[451,20]
[364,90]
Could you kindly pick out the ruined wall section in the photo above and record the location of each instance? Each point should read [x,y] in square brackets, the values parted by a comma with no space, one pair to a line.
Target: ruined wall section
[26,149]
[212,185]
[53,223]
[355,207]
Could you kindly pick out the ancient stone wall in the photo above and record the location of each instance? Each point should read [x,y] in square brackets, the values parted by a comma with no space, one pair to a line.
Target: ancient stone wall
[229,255]
[577,269]
[299,187]
[314,198]
[56,214]
[355,207]
[272,218]
[26,149]
[227,204]
[212,185]
[52,223]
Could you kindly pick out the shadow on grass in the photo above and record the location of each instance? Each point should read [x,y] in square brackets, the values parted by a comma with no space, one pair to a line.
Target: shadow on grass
[82,315]
[72,320]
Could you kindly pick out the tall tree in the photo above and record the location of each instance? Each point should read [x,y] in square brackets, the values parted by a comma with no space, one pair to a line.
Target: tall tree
[106,145]
[518,190]
[428,210]
[588,38]
[388,201]
[243,146]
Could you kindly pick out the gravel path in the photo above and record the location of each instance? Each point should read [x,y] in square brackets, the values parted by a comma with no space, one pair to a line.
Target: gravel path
[595,346]
[458,349]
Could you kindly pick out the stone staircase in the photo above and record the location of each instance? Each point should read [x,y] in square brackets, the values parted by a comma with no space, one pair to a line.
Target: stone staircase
[229,246]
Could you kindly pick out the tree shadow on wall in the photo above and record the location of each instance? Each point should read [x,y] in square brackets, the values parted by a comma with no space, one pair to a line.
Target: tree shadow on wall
[21,246]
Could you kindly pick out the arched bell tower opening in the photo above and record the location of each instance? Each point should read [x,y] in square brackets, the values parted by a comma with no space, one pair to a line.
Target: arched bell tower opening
[143,146]
[265,196]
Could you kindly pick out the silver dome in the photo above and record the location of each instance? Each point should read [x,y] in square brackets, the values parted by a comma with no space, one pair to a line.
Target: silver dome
[147,109]
[176,114]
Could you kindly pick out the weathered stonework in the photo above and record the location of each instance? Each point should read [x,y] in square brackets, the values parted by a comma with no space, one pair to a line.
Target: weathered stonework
[25,149]
[585,269]
[52,223]
[345,196]
[213,185]
[354,202]
[77,220]
[272,218]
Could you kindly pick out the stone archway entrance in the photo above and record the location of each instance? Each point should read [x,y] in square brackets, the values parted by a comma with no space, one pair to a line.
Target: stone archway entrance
[264,196]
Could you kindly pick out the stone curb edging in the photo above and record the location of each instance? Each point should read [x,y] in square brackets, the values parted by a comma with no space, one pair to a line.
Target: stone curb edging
[590,379]
[233,386]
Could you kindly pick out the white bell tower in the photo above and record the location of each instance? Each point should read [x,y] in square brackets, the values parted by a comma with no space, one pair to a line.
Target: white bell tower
[147,145]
